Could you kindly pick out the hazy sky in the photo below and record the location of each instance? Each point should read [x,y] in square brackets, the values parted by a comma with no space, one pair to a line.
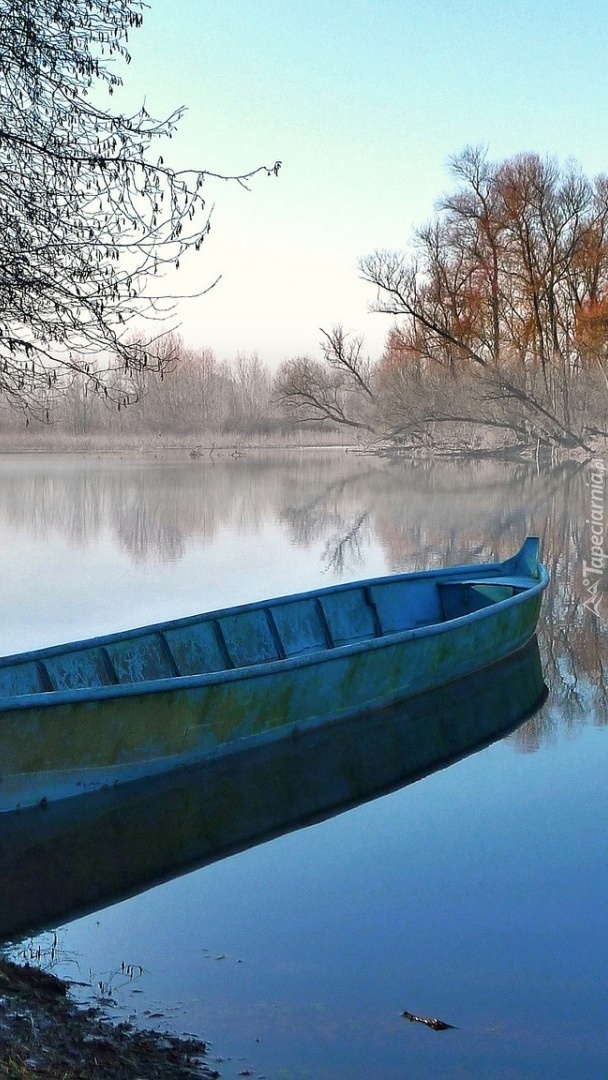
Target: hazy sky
[363,101]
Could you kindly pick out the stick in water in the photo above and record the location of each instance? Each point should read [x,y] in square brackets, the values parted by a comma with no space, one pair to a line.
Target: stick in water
[432,1022]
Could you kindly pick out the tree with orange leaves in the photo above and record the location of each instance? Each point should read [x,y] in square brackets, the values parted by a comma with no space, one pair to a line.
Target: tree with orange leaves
[506,292]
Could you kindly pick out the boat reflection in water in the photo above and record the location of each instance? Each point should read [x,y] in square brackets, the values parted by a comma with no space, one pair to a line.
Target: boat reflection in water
[72,857]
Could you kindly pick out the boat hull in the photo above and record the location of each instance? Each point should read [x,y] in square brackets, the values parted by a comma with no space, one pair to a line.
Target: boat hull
[54,751]
[76,856]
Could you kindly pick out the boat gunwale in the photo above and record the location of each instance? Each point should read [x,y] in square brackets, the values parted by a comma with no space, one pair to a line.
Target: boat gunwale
[477,569]
[538,579]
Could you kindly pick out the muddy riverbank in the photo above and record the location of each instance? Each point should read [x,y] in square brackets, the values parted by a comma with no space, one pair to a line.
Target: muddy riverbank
[44,1033]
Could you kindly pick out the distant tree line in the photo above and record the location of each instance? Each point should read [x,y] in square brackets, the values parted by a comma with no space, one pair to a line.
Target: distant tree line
[499,333]
[191,394]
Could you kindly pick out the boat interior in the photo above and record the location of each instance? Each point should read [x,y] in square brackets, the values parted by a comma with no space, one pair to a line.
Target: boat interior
[256,634]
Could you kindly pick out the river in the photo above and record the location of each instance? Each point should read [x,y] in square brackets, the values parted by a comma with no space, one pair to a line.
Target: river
[476,894]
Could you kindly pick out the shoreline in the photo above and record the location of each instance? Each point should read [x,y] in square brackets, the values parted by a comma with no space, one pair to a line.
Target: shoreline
[189,447]
[45,1033]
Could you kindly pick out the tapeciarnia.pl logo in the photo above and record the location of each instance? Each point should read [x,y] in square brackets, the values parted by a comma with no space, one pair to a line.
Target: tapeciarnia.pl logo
[593,571]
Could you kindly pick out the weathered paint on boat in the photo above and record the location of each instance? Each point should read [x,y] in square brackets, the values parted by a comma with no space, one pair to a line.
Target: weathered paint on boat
[112,709]
[76,856]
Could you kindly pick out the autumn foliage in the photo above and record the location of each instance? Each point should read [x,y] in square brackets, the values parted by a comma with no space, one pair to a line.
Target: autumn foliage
[499,308]
[507,288]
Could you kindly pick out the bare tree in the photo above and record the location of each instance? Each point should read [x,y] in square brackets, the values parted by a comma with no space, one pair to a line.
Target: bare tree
[251,391]
[90,213]
[338,390]
[79,407]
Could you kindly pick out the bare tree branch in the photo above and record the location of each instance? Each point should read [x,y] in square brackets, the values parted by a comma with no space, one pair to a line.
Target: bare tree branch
[91,215]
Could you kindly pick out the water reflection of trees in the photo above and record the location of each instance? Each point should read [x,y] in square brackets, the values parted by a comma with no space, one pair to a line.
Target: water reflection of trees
[154,509]
[427,514]
[346,548]
[422,514]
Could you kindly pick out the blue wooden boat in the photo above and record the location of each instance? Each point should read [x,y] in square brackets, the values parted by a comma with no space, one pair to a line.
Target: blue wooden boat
[77,717]
[79,855]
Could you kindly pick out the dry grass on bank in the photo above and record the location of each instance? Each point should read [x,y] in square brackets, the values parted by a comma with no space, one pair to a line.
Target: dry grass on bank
[44,1034]
[44,441]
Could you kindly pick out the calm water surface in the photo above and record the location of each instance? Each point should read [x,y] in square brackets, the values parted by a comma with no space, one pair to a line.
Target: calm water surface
[477,894]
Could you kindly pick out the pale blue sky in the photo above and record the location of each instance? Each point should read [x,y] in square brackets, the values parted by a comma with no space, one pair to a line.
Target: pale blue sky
[363,101]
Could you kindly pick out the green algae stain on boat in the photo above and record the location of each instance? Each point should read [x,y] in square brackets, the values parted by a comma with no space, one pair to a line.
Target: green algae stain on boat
[76,855]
